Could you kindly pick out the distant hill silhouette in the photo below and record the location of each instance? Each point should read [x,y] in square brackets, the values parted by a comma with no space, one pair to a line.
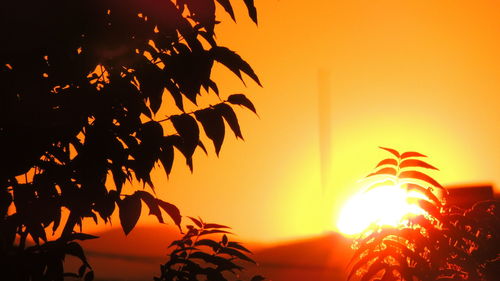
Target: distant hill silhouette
[137,257]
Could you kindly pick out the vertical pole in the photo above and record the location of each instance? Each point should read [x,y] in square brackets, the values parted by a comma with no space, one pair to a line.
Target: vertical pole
[324,109]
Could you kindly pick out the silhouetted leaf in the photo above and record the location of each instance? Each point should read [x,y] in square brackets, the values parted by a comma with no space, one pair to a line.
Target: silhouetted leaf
[214,225]
[37,232]
[373,269]
[252,11]
[426,191]
[429,208]
[172,211]
[227,7]
[393,151]
[151,132]
[213,125]
[233,62]
[416,163]
[236,253]
[212,231]
[227,112]
[152,204]
[200,144]
[81,270]
[258,278]
[411,154]
[176,93]
[166,157]
[242,100]
[388,161]
[384,171]
[56,218]
[368,258]
[188,129]
[151,81]
[130,211]
[419,176]
[238,246]
[196,221]
[89,276]
[74,249]
[210,243]
[218,261]
[184,148]
[405,251]
[82,236]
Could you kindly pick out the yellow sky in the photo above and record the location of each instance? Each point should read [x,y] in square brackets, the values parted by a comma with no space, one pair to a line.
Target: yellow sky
[411,75]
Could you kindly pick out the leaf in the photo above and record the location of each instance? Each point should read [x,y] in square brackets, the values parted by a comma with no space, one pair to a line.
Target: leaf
[429,208]
[384,171]
[258,278]
[411,154]
[233,62]
[82,236]
[81,270]
[426,191]
[130,211]
[36,231]
[210,243]
[228,114]
[214,225]
[152,204]
[74,249]
[393,151]
[388,161]
[242,100]
[212,231]
[373,269]
[151,80]
[419,176]
[238,246]
[365,260]
[175,92]
[200,144]
[252,11]
[213,124]
[188,129]
[172,211]
[416,163]
[197,222]
[166,157]
[216,260]
[236,253]
[186,150]
[227,7]
[89,276]
[57,219]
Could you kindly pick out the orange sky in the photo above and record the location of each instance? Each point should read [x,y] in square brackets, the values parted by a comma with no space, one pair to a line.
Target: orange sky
[411,75]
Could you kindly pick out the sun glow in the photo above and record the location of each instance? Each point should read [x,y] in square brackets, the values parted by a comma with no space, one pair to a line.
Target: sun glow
[380,204]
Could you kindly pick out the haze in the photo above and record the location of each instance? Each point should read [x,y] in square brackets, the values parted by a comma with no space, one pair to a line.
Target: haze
[411,75]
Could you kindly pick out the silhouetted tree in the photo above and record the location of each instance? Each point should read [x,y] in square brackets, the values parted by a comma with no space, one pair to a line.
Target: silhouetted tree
[81,85]
[444,243]
[198,257]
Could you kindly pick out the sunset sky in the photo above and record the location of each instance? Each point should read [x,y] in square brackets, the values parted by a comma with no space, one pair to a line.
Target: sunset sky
[411,75]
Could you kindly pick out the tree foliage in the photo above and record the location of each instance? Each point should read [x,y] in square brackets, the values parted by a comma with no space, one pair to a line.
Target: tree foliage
[444,243]
[82,84]
[198,257]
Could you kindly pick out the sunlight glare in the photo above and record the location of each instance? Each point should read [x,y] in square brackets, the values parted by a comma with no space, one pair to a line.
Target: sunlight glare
[381,205]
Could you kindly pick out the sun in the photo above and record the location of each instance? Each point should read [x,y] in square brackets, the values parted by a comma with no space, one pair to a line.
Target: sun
[382,203]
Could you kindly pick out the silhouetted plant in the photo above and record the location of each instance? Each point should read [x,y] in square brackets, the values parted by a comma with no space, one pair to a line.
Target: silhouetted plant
[82,84]
[444,243]
[198,257]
